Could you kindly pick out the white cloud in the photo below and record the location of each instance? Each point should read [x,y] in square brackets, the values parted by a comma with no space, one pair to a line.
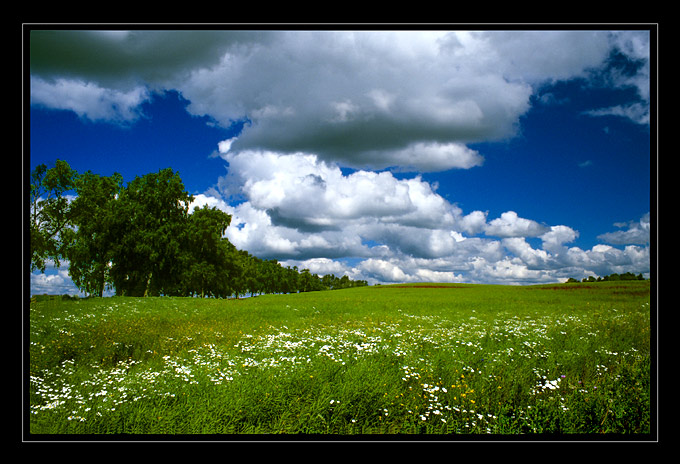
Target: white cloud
[202,200]
[355,109]
[554,240]
[473,223]
[509,271]
[88,100]
[401,271]
[636,233]
[529,55]
[511,225]
[636,112]
[530,257]
[426,157]
[382,271]
[320,266]
[303,192]
[55,280]
[308,213]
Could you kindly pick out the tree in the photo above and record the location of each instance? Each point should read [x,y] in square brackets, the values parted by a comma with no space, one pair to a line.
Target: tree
[89,248]
[210,260]
[150,217]
[329,281]
[50,212]
[289,278]
[243,282]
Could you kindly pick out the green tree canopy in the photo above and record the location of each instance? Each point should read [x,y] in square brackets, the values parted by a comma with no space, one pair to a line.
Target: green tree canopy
[150,216]
[211,262]
[89,245]
[50,212]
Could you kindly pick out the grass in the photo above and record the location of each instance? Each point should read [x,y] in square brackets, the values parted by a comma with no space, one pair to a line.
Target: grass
[450,359]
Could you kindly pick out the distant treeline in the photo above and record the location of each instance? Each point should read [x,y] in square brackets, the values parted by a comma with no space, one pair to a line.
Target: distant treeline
[610,277]
[140,239]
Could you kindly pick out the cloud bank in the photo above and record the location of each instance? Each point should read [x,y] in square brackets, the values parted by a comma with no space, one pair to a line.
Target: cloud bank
[411,100]
[308,213]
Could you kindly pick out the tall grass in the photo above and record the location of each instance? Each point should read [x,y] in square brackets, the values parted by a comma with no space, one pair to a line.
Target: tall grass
[468,359]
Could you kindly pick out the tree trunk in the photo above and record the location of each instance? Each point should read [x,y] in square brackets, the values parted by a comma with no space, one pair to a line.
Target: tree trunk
[148,281]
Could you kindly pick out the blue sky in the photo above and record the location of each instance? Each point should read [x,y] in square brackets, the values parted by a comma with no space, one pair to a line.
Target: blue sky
[513,157]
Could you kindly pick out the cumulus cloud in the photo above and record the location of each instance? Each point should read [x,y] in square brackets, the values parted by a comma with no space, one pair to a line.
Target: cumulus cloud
[395,270]
[201,200]
[426,157]
[88,100]
[300,191]
[55,280]
[382,271]
[377,99]
[321,266]
[508,271]
[637,233]
[511,225]
[310,214]
[410,100]
[557,236]
[531,56]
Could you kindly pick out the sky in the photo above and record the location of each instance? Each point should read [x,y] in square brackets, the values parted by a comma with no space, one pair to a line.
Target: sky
[388,155]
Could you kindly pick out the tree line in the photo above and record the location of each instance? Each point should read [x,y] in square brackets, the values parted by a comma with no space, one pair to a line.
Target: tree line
[609,278]
[140,239]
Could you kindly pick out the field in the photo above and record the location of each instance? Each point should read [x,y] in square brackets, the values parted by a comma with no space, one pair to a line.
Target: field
[400,359]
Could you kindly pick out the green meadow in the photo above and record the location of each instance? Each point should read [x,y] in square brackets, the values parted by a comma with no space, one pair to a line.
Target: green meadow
[398,359]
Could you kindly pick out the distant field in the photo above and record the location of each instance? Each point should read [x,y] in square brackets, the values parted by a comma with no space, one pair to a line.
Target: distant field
[399,359]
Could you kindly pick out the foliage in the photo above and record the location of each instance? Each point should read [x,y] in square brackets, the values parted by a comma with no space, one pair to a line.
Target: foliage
[150,219]
[50,212]
[89,242]
[211,262]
